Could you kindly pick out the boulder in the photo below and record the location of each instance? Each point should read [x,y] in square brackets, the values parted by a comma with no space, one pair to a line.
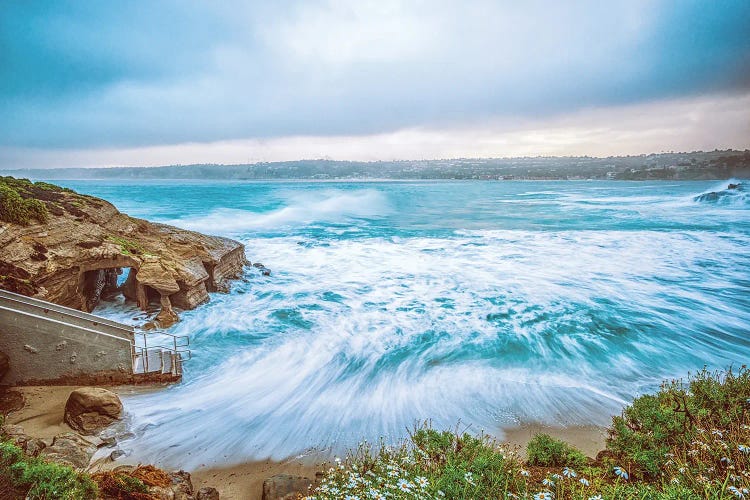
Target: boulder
[182,486]
[91,409]
[70,449]
[286,487]
[263,269]
[34,446]
[207,493]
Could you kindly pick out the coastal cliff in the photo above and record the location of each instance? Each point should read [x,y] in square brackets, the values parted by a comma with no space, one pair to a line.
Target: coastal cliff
[69,248]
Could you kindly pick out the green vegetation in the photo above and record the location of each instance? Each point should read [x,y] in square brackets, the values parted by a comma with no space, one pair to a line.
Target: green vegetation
[38,479]
[127,247]
[701,426]
[17,202]
[546,451]
[688,441]
[432,464]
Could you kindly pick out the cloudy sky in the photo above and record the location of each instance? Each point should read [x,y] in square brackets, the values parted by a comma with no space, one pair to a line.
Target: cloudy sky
[85,83]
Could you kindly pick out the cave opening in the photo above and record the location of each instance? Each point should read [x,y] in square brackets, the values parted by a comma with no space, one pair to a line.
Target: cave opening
[114,284]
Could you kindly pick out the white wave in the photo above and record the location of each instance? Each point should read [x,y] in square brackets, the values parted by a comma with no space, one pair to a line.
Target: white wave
[361,338]
[301,209]
[721,195]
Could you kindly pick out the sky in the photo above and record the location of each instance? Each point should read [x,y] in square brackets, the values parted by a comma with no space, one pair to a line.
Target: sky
[92,83]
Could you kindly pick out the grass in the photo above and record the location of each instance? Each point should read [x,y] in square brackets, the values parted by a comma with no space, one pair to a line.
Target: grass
[127,247]
[688,441]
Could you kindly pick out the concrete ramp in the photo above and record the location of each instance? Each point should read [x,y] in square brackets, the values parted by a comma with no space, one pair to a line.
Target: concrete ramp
[49,343]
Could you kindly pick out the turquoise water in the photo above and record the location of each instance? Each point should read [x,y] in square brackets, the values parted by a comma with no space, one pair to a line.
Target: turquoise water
[488,303]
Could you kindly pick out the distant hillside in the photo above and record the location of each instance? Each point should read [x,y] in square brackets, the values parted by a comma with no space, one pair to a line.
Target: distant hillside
[697,165]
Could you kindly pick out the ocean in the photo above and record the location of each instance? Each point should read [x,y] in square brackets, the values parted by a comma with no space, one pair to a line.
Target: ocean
[483,304]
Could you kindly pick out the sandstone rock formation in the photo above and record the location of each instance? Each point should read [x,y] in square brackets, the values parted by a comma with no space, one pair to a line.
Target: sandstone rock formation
[91,409]
[75,255]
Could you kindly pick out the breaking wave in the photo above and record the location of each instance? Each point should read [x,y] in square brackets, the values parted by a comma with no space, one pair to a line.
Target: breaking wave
[486,303]
[731,193]
[328,206]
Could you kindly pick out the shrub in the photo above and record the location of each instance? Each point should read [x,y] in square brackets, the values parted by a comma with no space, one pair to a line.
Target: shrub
[17,209]
[11,206]
[36,210]
[43,480]
[546,451]
[707,416]
[121,485]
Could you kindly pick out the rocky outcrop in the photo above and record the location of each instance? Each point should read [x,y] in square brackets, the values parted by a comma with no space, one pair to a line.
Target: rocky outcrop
[207,493]
[162,485]
[16,435]
[70,449]
[286,487]
[91,409]
[74,257]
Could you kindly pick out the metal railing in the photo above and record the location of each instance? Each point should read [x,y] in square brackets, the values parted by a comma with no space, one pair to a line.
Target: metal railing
[177,353]
[169,357]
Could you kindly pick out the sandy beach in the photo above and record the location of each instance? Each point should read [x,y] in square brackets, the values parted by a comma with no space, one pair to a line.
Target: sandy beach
[42,416]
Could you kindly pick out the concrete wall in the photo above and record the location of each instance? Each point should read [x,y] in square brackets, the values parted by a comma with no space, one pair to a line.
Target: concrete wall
[48,345]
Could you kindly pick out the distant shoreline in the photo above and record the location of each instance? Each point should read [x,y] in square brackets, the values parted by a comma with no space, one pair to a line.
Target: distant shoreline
[697,165]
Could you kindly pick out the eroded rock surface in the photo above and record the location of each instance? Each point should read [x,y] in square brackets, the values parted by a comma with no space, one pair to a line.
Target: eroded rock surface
[73,259]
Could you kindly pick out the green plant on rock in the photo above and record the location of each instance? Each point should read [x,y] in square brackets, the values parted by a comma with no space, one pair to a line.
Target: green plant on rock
[127,247]
[17,209]
[546,451]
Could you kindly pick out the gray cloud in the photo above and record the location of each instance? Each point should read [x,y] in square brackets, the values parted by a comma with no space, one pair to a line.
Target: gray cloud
[106,74]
